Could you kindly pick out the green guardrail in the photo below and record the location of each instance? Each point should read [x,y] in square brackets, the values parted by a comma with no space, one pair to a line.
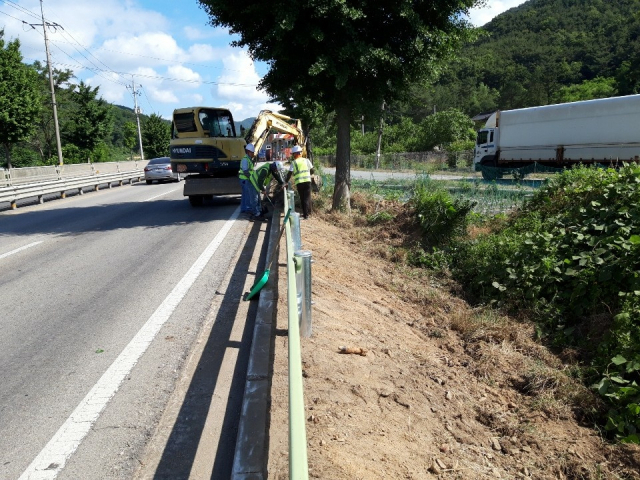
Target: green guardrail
[298,461]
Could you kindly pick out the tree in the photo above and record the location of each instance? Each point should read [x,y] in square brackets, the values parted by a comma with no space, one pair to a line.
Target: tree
[89,121]
[156,134]
[43,139]
[443,129]
[344,55]
[20,100]
[130,135]
[588,90]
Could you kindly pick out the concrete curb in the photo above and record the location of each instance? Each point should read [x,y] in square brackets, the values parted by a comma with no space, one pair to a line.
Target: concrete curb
[250,459]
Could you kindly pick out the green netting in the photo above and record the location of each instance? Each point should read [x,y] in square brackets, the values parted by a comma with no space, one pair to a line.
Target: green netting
[416,161]
[494,173]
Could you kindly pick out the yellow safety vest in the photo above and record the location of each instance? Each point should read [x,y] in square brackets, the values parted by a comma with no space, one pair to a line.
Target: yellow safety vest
[261,176]
[301,172]
[241,174]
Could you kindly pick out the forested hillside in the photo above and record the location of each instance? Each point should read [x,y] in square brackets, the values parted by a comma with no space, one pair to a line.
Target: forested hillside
[89,128]
[546,51]
[542,52]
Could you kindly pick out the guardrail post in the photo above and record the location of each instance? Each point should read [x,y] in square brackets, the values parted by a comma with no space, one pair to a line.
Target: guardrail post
[302,260]
[292,199]
[295,231]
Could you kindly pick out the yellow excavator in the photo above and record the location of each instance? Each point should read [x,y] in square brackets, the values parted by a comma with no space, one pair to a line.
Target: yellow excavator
[205,147]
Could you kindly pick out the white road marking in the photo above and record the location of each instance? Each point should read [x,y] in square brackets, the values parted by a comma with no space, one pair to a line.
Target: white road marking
[51,460]
[4,255]
[161,195]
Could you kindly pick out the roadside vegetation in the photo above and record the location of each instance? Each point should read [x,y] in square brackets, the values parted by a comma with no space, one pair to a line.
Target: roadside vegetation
[91,129]
[564,258]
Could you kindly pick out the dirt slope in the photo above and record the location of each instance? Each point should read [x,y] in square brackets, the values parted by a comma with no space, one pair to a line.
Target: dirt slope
[439,390]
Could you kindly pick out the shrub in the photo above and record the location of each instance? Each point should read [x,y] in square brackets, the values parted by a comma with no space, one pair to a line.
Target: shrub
[440,215]
[572,252]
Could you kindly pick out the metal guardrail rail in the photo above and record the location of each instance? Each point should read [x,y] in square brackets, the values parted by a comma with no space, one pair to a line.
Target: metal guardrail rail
[250,458]
[298,460]
[31,182]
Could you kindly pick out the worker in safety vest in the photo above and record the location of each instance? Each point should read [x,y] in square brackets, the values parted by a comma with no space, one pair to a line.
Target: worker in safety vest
[301,169]
[265,173]
[249,203]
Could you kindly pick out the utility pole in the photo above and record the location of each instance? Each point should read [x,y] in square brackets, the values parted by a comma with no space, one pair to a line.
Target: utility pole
[137,110]
[380,136]
[53,93]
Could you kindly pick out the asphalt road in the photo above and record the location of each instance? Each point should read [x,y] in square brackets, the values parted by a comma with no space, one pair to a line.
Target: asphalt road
[104,298]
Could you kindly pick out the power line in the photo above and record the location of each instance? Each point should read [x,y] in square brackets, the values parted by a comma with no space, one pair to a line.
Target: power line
[65,33]
[15,18]
[158,77]
[158,58]
[145,96]
[56,25]
[86,58]
[95,70]
[11,4]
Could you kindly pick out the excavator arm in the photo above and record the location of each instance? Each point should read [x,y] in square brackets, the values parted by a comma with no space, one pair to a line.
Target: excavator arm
[268,121]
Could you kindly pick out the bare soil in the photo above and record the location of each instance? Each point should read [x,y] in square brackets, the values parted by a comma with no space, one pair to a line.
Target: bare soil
[432,387]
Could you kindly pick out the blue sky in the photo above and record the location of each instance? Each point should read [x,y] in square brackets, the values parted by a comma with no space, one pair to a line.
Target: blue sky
[169,50]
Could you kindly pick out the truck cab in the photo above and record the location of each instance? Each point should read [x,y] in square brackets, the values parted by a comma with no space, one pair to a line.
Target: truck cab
[484,151]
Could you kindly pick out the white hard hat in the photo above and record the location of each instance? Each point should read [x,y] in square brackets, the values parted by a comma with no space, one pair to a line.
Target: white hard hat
[249,147]
[296,149]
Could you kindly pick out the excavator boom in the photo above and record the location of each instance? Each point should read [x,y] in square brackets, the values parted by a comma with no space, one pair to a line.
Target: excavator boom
[267,122]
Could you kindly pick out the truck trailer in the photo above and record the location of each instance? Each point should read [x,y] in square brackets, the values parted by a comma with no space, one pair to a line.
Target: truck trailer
[603,131]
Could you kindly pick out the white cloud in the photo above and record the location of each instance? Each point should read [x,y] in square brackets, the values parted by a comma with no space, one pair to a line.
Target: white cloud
[193,34]
[482,15]
[201,52]
[186,74]
[111,88]
[151,48]
[163,96]
[87,22]
[196,99]
[238,86]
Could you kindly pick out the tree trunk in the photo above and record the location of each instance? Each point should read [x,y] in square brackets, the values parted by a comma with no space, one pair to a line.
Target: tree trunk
[7,154]
[341,194]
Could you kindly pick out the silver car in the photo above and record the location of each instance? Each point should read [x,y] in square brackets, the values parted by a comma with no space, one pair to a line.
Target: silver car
[159,169]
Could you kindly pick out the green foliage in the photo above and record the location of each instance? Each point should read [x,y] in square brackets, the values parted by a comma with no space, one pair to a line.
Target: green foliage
[451,129]
[156,134]
[130,135]
[23,156]
[331,55]
[441,216]
[380,217]
[545,51]
[619,386]
[443,129]
[587,90]
[20,101]
[437,260]
[88,121]
[572,254]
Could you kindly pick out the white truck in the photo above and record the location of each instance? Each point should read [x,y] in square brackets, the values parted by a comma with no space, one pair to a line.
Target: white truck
[605,130]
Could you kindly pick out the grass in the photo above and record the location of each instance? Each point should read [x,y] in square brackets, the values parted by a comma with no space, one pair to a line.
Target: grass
[503,348]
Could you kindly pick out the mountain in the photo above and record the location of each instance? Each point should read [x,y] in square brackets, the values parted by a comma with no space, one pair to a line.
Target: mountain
[246,123]
[546,51]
